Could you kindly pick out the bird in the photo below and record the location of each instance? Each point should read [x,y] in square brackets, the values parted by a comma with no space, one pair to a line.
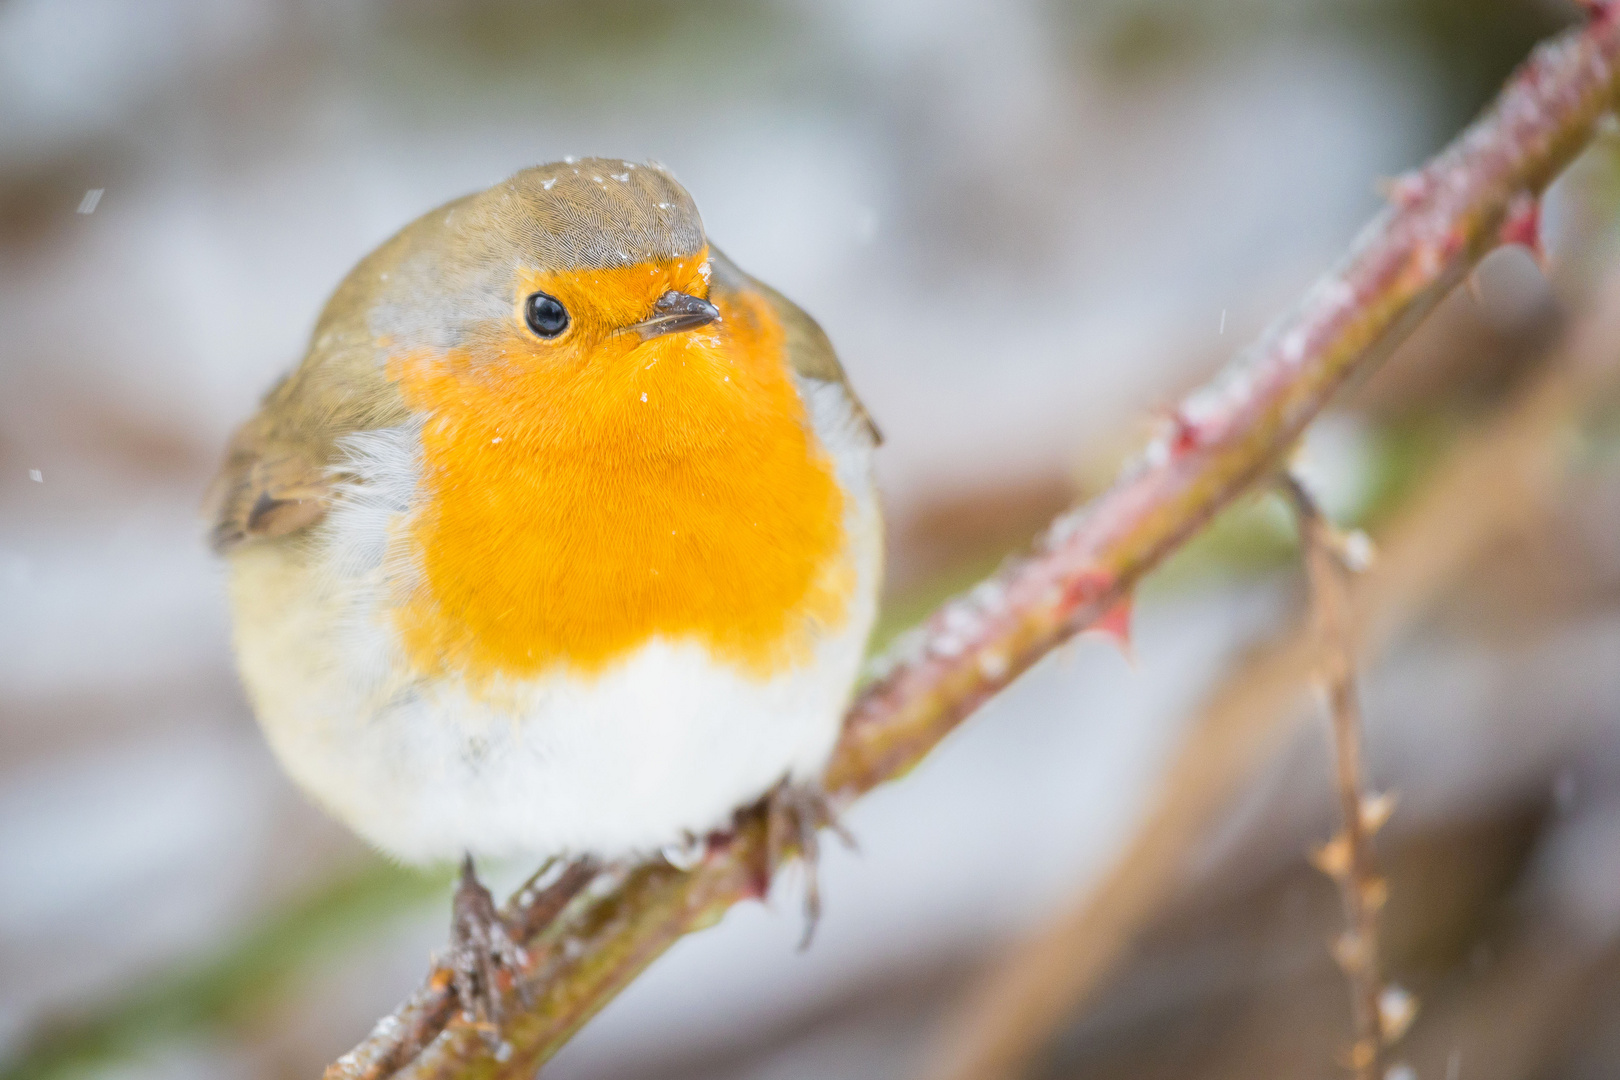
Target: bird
[562,541]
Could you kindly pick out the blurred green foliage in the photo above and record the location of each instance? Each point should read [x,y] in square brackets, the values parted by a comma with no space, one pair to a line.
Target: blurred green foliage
[239,980]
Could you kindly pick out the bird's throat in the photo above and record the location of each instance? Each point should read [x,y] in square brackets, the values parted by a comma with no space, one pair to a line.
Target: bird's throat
[567,518]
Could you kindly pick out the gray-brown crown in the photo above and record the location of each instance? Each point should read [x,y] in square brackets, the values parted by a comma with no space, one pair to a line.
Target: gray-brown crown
[453,268]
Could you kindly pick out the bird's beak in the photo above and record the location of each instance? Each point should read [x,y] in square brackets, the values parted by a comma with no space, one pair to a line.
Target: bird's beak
[674,312]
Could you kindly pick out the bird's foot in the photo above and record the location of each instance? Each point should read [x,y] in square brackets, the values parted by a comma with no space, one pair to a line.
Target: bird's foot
[795,813]
[481,947]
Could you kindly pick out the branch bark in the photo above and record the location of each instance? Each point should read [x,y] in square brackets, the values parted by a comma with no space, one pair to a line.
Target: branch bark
[1222,439]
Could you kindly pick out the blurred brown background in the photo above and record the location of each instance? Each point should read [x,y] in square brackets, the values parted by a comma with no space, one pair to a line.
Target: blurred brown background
[1027,225]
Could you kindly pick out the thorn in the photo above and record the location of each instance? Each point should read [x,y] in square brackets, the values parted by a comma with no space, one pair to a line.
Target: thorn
[1522,225]
[1333,858]
[1375,893]
[1184,434]
[1087,585]
[1116,625]
[1351,953]
[1376,810]
[1361,1055]
[1396,1010]
[1175,433]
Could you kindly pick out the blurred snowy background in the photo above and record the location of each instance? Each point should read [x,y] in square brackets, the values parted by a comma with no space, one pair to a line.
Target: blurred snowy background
[1026,224]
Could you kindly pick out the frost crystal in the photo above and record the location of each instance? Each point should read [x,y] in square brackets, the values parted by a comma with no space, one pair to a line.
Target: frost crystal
[960,619]
[990,597]
[1338,293]
[1293,346]
[1396,1009]
[1358,550]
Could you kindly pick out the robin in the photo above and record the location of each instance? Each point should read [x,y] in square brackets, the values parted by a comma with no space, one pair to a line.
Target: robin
[560,542]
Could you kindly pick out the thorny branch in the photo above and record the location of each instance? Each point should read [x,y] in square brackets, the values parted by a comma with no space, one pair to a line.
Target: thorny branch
[1348,857]
[1442,219]
[1491,484]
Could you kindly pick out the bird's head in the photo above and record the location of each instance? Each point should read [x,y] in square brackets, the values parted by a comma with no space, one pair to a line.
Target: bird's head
[563,266]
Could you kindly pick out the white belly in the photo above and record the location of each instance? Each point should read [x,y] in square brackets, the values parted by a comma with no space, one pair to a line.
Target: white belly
[662,744]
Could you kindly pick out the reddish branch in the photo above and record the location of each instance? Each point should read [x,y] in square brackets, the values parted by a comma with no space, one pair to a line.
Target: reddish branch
[1222,439]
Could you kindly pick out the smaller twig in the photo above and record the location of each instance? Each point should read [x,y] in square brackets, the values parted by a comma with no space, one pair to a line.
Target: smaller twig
[1380,1015]
[1495,482]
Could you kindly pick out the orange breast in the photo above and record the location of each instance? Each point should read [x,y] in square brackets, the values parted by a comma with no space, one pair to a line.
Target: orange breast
[574,510]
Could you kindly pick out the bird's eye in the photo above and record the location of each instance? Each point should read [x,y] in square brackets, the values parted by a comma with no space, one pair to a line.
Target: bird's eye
[545,315]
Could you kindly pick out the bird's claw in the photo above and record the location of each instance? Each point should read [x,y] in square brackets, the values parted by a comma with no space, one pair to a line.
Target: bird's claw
[481,947]
[795,813]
